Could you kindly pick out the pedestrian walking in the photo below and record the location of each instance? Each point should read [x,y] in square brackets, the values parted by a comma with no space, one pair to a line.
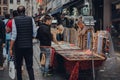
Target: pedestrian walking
[23,31]
[2,43]
[9,27]
[8,35]
[45,37]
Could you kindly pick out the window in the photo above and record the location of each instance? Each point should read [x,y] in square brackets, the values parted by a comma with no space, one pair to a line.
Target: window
[11,10]
[11,1]
[0,1]
[0,10]
[5,10]
[18,1]
[5,1]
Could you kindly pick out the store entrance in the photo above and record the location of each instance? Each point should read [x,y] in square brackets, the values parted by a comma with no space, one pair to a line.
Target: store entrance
[115,33]
[115,29]
[97,12]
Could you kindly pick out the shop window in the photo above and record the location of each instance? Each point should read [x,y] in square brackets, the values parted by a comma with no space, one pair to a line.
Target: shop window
[5,1]
[11,1]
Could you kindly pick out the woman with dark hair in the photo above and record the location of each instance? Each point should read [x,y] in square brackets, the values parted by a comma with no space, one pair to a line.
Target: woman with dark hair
[9,24]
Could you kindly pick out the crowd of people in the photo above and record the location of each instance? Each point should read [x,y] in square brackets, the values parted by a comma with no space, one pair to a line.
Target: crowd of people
[16,35]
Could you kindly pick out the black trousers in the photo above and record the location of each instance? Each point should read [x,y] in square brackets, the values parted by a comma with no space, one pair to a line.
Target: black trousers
[27,54]
[1,54]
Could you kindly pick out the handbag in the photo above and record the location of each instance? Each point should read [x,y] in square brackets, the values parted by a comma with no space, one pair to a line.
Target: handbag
[43,59]
[12,71]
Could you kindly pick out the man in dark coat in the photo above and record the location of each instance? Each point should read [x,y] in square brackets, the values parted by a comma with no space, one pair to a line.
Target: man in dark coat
[2,43]
[23,31]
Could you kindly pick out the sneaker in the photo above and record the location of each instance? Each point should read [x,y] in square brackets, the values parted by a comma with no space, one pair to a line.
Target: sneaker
[43,74]
[1,68]
[50,74]
[22,68]
[47,74]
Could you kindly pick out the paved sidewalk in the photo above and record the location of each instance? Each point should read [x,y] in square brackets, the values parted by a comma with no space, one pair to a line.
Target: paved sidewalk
[109,71]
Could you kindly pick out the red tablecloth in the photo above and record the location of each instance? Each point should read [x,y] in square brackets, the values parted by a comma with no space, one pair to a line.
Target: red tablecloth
[73,67]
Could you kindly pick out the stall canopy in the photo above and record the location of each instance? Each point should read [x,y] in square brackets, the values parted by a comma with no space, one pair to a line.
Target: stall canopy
[73,3]
[58,10]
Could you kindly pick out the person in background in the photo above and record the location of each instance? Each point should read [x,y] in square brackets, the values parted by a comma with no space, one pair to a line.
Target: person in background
[108,29]
[63,20]
[23,31]
[7,17]
[45,37]
[55,31]
[8,35]
[9,24]
[2,43]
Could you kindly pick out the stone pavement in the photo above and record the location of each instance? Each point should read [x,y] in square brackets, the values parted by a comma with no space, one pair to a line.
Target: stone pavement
[109,71]
[38,76]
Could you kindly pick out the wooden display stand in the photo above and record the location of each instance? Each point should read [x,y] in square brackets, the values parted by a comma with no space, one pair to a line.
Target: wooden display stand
[83,39]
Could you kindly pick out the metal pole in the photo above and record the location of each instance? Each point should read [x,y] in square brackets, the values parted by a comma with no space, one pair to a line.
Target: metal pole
[32,6]
[93,66]
[46,6]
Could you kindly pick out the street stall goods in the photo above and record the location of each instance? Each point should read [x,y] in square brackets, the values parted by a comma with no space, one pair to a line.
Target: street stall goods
[73,56]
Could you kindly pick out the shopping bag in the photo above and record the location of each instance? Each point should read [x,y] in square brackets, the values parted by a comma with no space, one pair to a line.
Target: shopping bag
[43,59]
[4,51]
[12,69]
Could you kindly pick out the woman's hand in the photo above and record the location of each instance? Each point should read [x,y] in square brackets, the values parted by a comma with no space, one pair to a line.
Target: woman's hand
[11,52]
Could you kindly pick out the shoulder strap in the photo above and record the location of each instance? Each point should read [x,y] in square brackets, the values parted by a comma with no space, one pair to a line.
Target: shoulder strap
[7,22]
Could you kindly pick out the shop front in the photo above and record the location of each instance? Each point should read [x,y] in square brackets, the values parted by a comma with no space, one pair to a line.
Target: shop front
[115,30]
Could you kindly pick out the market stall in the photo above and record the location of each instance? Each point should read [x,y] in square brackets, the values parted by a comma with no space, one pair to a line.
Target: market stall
[76,59]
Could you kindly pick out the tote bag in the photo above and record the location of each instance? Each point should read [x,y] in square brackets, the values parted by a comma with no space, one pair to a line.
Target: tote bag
[12,69]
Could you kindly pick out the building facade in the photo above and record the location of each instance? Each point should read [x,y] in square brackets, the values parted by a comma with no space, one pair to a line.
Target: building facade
[3,7]
[30,5]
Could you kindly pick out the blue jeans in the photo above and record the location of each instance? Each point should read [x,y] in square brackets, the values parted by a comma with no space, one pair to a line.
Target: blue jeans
[45,69]
[8,49]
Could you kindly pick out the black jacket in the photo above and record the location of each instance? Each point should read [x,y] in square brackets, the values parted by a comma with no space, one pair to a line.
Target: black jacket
[44,35]
[2,31]
[24,28]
